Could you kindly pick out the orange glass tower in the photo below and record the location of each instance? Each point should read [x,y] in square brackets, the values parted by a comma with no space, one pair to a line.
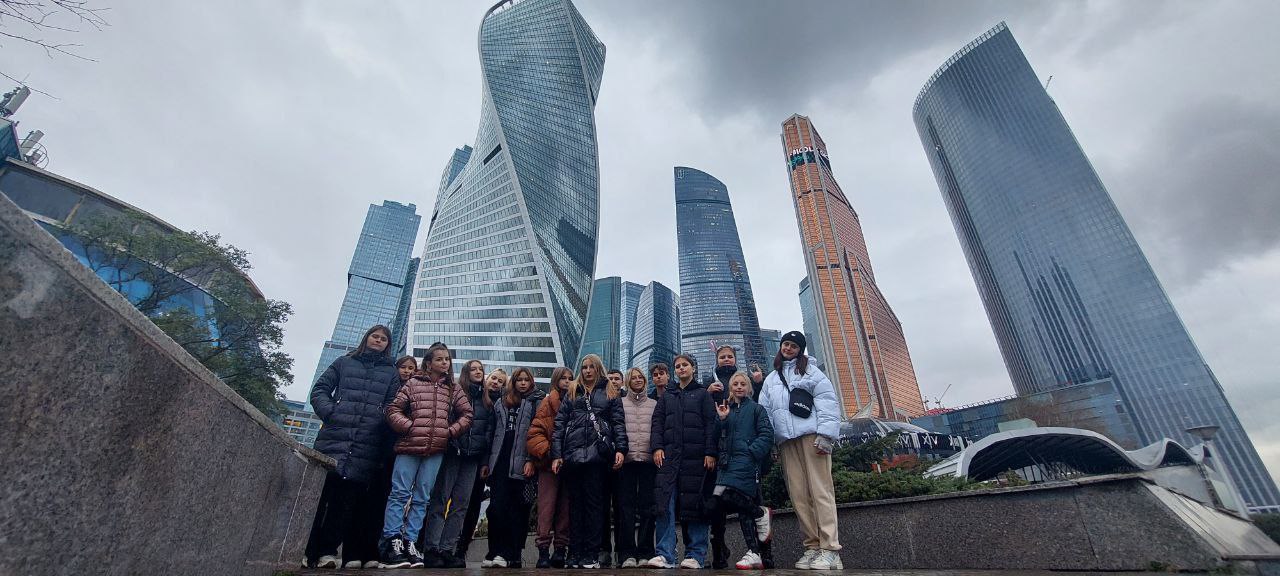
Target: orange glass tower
[865,352]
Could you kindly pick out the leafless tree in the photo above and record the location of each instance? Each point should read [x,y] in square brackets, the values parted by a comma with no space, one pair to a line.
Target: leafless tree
[40,22]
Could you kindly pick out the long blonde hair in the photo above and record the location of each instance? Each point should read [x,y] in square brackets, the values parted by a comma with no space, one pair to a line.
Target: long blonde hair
[632,372]
[578,386]
[484,386]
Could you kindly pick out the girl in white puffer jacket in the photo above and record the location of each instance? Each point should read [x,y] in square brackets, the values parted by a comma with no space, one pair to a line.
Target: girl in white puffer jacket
[805,429]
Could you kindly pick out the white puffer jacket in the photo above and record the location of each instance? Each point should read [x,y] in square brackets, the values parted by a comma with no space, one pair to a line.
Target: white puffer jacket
[776,398]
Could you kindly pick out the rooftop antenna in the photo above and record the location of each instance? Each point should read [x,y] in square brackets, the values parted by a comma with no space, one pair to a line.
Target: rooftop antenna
[13,100]
[1046,83]
[32,151]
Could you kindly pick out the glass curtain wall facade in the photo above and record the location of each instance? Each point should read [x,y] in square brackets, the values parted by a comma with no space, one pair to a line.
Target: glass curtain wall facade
[809,317]
[507,271]
[628,304]
[772,341]
[719,307]
[1070,295]
[375,279]
[867,357]
[656,337]
[601,334]
[400,327]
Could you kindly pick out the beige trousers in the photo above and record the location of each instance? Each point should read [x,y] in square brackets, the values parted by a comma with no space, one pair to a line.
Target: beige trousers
[813,492]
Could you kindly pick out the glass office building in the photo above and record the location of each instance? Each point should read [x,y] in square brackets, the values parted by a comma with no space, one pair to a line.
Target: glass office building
[1070,295]
[719,308]
[867,358]
[610,318]
[299,422]
[507,271]
[656,337]
[809,318]
[375,279]
[400,327]
[772,341]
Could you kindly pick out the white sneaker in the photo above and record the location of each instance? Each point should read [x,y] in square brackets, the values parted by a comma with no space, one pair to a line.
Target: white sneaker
[749,561]
[371,564]
[658,562]
[630,563]
[826,560]
[304,562]
[487,563]
[352,565]
[691,563]
[499,562]
[327,562]
[806,559]
[764,525]
[590,565]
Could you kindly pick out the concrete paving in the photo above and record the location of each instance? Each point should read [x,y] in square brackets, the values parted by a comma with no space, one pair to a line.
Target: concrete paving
[477,571]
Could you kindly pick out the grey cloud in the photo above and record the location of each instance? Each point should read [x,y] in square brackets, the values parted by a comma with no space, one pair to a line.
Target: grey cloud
[1206,190]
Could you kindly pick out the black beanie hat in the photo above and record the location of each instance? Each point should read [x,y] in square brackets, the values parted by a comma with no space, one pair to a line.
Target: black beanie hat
[795,338]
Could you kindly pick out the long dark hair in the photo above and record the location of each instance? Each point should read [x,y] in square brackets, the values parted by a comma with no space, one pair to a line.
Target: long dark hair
[802,364]
[364,342]
[464,375]
[512,398]
[431,352]
[401,360]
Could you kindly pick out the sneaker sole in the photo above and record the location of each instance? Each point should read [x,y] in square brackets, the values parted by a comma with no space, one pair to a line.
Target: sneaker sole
[395,565]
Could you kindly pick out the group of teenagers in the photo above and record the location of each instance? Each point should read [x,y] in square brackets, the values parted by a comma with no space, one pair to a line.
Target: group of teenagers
[415,446]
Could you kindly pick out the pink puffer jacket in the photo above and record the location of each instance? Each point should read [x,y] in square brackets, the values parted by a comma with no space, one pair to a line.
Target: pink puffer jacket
[426,414]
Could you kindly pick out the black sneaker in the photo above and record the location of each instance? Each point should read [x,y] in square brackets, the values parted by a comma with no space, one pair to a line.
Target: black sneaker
[452,561]
[432,558]
[415,556]
[393,553]
[766,555]
[544,558]
[557,558]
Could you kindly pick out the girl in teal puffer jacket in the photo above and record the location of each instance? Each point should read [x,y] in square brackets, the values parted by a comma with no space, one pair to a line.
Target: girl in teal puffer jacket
[746,438]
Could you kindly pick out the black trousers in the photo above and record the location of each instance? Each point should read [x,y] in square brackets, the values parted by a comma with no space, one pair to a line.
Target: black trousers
[334,515]
[586,514]
[634,511]
[608,518]
[747,507]
[508,518]
[472,518]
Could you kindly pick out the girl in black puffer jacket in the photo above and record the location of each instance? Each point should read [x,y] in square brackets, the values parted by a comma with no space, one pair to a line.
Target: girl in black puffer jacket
[455,487]
[590,437]
[349,397]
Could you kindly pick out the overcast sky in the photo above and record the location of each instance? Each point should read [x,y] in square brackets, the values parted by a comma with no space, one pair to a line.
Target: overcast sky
[277,125]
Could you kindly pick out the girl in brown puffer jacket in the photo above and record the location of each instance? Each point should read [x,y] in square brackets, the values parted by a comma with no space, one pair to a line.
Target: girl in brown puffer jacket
[429,410]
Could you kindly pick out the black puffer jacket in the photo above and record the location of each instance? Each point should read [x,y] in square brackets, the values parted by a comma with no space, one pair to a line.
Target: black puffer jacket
[684,428]
[350,398]
[476,440]
[575,435]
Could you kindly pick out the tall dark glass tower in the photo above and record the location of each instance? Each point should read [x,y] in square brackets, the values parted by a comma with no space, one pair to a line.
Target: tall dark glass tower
[375,279]
[510,257]
[1070,295]
[656,337]
[610,318]
[718,307]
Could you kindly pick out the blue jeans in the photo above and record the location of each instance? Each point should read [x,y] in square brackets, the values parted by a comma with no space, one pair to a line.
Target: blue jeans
[699,534]
[411,476]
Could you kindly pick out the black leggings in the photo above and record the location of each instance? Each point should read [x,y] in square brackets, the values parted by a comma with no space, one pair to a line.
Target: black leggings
[748,510]
[585,483]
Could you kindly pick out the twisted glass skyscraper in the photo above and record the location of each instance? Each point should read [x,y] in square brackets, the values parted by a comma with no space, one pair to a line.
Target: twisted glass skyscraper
[1070,295]
[507,270]
[718,307]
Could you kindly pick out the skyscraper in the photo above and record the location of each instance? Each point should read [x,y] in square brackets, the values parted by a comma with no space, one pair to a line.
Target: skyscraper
[715,290]
[1070,295]
[507,270]
[656,337]
[629,302]
[809,317]
[772,341]
[375,279]
[866,352]
[400,327]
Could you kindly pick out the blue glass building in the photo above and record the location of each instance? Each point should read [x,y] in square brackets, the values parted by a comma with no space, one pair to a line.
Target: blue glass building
[628,303]
[772,341]
[507,271]
[610,318]
[656,337]
[1069,293]
[375,279]
[718,306]
[809,318]
[400,327]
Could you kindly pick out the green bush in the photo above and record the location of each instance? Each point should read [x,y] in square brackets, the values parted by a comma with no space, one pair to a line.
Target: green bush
[1269,523]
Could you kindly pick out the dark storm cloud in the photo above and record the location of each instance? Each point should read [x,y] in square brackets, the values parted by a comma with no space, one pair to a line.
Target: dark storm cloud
[771,57]
[1207,188]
